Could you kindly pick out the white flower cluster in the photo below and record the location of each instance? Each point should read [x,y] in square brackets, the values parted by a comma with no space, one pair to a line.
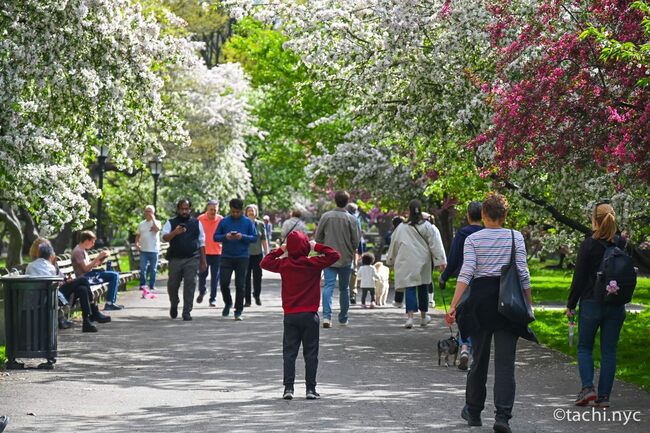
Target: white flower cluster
[76,74]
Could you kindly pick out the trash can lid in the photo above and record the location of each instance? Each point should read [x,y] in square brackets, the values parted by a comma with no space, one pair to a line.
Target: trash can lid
[14,278]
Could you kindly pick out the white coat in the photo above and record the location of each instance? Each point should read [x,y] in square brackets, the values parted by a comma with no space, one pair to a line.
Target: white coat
[410,253]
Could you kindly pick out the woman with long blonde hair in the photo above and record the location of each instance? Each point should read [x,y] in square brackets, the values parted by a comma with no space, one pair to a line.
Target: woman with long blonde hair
[593,314]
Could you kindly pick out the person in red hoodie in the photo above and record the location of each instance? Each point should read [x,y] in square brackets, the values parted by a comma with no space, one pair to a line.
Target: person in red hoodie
[300,301]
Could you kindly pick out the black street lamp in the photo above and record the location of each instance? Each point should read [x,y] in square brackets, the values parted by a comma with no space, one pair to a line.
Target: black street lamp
[156,166]
[103,155]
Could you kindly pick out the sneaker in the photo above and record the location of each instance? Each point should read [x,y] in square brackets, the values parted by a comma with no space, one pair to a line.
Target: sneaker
[288,393]
[398,304]
[112,307]
[586,395]
[187,317]
[344,324]
[353,300]
[312,394]
[226,310]
[373,305]
[213,304]
[238,317]
[424,321]
[327,323]
[602,401]
[432,304]
[247,304]
[199,298]
[258,301]
[464,360]
[409,323]
[472,420]
[364,306]
[65,324]
[501,426]
[144,287]
[173,311]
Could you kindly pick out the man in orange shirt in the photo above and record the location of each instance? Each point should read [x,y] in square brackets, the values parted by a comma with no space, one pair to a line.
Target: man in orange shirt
[210,220]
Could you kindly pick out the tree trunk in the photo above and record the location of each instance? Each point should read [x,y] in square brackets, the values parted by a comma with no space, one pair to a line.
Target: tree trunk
[63,240]
[30,233]
[445,223]
[12,224]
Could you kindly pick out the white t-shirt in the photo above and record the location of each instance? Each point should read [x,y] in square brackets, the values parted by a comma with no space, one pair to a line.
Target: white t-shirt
[367,275]
[149,241]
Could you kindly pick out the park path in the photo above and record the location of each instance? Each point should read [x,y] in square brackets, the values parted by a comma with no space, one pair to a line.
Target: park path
[147,373]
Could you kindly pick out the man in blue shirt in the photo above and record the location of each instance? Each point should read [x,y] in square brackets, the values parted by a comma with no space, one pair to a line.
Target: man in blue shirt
[234,232]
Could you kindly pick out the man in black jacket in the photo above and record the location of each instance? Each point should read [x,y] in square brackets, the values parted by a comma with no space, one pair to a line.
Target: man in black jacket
[186,255]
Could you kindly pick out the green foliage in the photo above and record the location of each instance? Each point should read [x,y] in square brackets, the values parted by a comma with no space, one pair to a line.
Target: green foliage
[285,108]
[2,357]
[633,364]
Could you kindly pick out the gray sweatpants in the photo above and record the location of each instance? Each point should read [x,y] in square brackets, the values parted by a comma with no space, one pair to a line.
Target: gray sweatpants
[182,270]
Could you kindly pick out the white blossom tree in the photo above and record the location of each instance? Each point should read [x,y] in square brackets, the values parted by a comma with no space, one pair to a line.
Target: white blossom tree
[75,75]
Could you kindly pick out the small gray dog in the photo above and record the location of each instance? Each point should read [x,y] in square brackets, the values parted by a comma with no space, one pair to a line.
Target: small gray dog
[446,347]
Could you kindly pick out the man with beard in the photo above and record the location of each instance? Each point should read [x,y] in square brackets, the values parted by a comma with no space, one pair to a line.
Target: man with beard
[186,255]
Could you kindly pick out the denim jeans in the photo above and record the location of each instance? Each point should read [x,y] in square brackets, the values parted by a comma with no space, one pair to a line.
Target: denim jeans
[110,277]
[148,259]
[609,318]
[330,275]
[214,264]
[238,265]
[417,298]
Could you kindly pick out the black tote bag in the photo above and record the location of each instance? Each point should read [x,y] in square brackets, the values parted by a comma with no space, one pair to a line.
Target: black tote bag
[512,304]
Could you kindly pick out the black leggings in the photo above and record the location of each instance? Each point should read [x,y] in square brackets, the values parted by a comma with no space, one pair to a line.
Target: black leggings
[81,289]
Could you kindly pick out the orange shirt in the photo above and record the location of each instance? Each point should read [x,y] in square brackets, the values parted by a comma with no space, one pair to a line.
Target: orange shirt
[212,248]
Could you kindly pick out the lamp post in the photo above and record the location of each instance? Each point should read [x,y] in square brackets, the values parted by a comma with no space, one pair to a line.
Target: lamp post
[156,166]
[103,154]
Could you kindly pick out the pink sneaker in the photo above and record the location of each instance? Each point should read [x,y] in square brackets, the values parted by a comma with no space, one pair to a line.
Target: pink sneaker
[146,294]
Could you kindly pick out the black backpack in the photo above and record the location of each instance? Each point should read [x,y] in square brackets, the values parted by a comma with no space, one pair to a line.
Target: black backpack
[616,277]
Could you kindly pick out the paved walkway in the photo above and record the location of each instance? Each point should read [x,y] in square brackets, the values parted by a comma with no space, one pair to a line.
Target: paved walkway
[147,373]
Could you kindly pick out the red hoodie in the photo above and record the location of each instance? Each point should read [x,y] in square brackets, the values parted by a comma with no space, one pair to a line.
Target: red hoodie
[300,273]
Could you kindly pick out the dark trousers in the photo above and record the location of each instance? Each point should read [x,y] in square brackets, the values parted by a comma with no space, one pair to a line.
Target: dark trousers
[505,347]
[82,293]
[182,270]
[214,263]
[365,291]
[254,271]
[238,265]
[399,297]
[300,328]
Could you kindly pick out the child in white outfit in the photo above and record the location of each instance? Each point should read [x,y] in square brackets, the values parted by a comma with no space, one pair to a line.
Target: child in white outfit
[367,277]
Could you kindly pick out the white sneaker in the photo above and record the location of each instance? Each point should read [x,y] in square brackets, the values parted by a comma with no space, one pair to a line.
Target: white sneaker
[424,321]
[344,324]
[397,304]
[372,305]
[409,323]
[327,323]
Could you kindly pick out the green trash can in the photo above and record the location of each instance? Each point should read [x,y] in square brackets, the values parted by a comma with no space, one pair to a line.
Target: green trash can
[31,323]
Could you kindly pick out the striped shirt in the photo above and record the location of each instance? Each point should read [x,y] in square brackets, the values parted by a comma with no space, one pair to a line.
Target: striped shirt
[487,250]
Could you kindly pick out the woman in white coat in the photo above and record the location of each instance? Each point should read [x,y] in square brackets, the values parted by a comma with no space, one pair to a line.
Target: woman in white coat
[415,246]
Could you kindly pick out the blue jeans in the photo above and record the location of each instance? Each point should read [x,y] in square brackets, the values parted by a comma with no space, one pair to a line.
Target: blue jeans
[148,259]
[609,318]
[330,275]
[214,264]
[113,280]
[417,298]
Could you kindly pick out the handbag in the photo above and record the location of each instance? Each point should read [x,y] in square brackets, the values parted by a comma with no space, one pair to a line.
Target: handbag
[512,304]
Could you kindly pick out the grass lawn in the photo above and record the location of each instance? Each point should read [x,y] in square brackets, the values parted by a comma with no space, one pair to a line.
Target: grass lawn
[552,286]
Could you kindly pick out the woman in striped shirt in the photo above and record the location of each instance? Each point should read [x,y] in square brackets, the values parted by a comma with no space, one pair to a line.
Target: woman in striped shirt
[484,254]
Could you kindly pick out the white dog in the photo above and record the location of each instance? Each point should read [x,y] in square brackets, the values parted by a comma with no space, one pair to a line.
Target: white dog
[381,286]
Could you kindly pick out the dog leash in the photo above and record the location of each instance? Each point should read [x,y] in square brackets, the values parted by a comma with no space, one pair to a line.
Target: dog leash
[444,304]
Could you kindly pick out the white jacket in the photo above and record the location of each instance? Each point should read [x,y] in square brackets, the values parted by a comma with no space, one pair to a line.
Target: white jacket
[410,253]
